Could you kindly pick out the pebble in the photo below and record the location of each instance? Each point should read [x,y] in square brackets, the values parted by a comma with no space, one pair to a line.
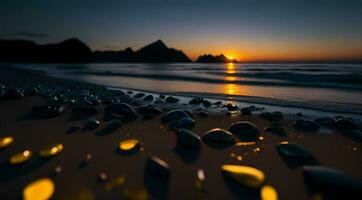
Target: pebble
[51,150]
[39,189]
[184,122]
[157,166]
[231,107]
[306,125]
[173,115]
[272,116]
[246,111]
[121,109]
[247,176]
[129,145]
[218,135]
[189,138]
[91,124]
[139,95]
[114,125]
[294,150]
[203,114]
[6,141]
[200,180]
[197,100]
[276,130]
[11,94]
[102,177]
[148,98]
[20,157]
[345,124]
[245,131]
[171,99]
[268,192]
[325,121]
[332,179]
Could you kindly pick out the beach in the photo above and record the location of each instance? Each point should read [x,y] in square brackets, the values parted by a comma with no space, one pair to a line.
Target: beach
[331,147]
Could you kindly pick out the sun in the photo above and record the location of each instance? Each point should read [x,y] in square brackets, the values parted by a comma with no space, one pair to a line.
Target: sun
[230,57]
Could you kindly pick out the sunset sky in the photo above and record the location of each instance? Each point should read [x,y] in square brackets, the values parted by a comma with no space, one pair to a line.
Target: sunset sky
[248,30]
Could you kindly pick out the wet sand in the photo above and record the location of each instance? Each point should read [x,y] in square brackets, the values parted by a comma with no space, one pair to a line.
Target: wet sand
[333,149]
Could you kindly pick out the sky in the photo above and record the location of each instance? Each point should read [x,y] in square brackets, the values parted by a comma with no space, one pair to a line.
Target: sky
[248,30]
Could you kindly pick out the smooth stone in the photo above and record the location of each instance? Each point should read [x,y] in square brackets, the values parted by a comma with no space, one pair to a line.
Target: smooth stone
[306,125]
[272,116]
[197,100]
[245,131]
[40,189]
[121,109]
[48,110]
[231,107]
[6,141]
[299,114]
[129,145]
[148,98]
[218,103]
[203,114]
[173,115]
[139,95]
[92,124]
[20,157]
[189,138]
[293,150]
[149,110]
[184,122]
[171,99]
[157,166]
[332,179]
[247,176]
[246,111]
[345,124]
[218,135]
[85,110]
[162,96]
[51,150]
[276,130]
[206,103]
[268,192]
[325,121]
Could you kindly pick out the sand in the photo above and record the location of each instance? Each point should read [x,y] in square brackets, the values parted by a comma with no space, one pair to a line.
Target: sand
[331,149]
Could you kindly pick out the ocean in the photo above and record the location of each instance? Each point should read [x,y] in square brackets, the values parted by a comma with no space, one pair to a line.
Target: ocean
[327,87]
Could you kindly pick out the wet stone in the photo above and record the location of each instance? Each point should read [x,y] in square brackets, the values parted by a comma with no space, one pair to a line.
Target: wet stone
[114,125]
[189,138]
[247,110]
[345,124]
[197,100]
[39,189]
[171,99]
[245,131]
[299,114]
[121,109]
[184,122]
[218,135]
[157,166]
[6,141]
[276,129]
[247,176]
[47,111]
[91,124]
[51,150]
[306,125]
[173,115]
[218,103]
[332,179]
[20,157]
[272,116]
[10,94]
[129,145]
[148,98]
[293,150]
[206,103]
[231,107]
[139,95]
[29,91]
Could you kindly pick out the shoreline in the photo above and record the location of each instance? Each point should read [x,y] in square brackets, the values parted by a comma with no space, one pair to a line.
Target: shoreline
[330,146]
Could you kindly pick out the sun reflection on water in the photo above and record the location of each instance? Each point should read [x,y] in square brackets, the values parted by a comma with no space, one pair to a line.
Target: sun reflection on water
[230,88]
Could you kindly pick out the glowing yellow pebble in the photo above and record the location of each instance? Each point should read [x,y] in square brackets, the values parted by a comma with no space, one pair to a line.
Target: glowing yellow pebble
[41,189]
[51,151]
[119,181]
[135,193]
[6,141]
[200,180]
[129,145]
[268,193]
[20,157]
[247,176]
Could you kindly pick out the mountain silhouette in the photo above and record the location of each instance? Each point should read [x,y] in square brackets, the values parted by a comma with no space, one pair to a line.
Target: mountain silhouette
[215,59]
[74,50]
[159,52]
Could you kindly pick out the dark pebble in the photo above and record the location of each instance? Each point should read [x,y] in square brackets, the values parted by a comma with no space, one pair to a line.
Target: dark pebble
[156,166]
[306,125]
[189,138]
[245,131]
[173,115]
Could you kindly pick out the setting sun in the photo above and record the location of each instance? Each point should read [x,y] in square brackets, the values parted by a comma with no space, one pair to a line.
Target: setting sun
[230,57]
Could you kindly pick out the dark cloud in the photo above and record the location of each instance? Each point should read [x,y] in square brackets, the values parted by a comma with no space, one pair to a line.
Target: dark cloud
[29,34]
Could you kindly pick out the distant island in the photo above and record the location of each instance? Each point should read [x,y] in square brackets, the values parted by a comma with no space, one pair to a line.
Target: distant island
[215,59]
[74,50]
